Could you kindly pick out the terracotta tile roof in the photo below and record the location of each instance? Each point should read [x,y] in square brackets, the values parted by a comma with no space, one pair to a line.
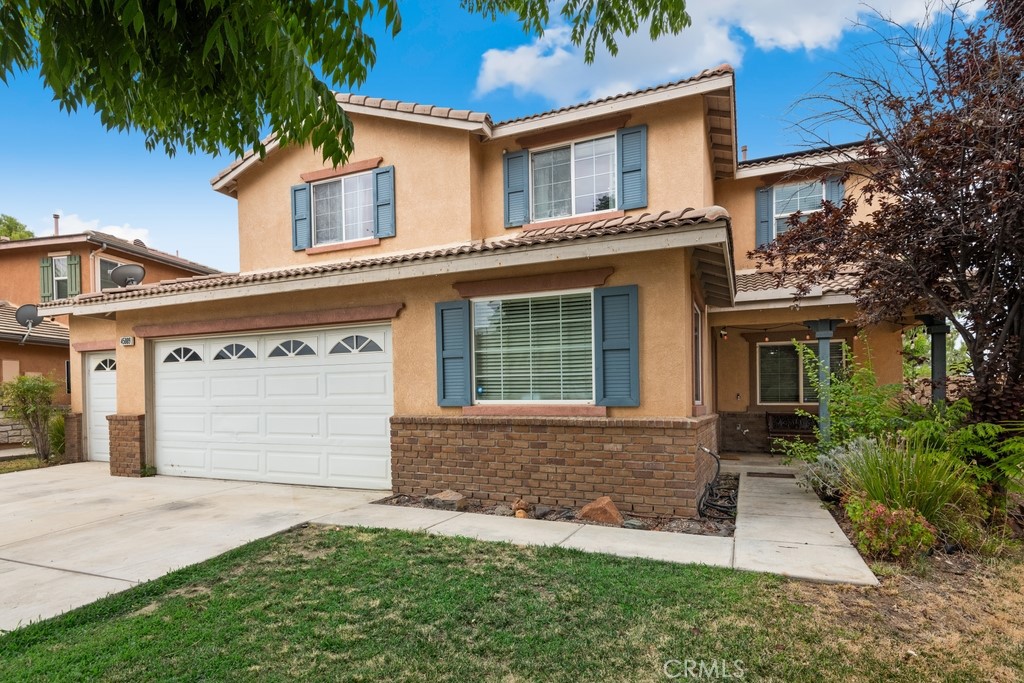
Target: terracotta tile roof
[521,239]
[47,332]
[843,283]
[720,70]
[413,108]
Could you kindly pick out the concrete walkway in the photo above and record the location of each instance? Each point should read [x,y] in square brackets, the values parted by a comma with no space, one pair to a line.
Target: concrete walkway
[780,528]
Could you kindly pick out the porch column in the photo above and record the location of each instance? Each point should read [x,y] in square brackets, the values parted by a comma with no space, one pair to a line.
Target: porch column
[938,329]
[823,329]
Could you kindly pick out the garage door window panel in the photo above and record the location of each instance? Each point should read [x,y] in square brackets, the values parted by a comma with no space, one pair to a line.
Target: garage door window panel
[356,343]
[183,354]
[290,348]
[235,352]
[106,365]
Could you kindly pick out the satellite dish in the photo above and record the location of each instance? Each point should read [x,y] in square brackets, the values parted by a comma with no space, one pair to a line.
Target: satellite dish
[28,316]
[128,274]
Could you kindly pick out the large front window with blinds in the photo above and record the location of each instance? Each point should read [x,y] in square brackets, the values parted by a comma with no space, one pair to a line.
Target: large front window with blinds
[782,379]
[574,179]
[343,209]
[533,349]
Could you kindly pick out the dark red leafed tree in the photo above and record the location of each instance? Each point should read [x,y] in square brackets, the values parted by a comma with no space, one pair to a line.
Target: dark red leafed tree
[938,224]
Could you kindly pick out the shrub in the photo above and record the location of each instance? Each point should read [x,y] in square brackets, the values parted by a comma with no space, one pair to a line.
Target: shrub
[827,474]
[29,400]
[56,434]
[904,473]
[858,407]
[882,532]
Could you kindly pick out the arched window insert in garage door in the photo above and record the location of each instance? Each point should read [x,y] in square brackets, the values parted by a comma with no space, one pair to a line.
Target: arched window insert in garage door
[356,343]
[291,347]
[105,365]
[234,352]
[182,354]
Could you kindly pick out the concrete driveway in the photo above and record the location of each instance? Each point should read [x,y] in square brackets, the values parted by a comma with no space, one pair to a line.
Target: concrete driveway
[72,534]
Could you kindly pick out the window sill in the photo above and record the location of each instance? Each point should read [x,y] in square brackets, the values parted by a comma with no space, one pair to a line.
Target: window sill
[343,246]
[573,220]
[534,410]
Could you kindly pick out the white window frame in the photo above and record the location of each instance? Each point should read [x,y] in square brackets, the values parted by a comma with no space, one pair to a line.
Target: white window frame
[66,279]
[800,372]
[777,216]
[312,202]
[698,356]
[99,269]
[571,144]
[533,295]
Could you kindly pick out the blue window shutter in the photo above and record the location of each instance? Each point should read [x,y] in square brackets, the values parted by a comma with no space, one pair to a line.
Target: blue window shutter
[765,216]
[74,275]
[616,346]
[631,149]
[384,202]
[834,190]
[516,167]
[46,279]
[302,218]
[453,353]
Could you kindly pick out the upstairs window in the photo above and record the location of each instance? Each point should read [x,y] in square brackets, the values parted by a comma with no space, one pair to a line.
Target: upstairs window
[803,197]
[574,179]
[105,266]
[60,277]
[343,209]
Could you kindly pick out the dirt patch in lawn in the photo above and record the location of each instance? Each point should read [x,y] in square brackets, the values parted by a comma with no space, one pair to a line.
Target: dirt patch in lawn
[716,523]
[953,604]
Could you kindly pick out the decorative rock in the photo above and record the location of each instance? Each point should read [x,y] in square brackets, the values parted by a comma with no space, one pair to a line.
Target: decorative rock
[520,505]
[446,500]
[602,510]
[541,511]
[634,523]
[503,511]
[521,514]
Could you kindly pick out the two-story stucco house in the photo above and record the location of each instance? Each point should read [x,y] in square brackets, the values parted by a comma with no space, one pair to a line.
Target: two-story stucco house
[555,307]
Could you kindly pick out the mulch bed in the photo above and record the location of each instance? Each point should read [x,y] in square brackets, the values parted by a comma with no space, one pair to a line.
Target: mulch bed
[719,525]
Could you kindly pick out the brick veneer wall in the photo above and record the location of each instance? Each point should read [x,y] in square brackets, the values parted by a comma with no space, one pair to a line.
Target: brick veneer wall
[647,466]
[73,447]
[127,445]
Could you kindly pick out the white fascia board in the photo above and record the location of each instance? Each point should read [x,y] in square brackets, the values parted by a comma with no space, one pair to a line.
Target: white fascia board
[762,304]
[600,109]
[221,184]
[714,233]
[791,165]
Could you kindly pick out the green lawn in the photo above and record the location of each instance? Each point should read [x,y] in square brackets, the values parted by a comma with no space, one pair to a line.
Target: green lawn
[319,603]
[17,464]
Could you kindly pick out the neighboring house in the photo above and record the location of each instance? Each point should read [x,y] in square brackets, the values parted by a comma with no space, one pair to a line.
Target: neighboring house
[530,308]
[44,269]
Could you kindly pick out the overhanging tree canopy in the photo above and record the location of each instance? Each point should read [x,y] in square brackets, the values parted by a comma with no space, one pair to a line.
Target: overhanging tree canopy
[207,75]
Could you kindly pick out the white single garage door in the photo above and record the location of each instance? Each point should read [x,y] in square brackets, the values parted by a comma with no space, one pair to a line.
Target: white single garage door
[101,400]
[299,407]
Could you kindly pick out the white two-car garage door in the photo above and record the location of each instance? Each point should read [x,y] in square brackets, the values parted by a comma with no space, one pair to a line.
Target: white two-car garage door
[300,407]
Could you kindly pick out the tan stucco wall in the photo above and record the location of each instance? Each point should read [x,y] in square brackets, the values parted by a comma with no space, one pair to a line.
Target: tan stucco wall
[665,314]
[432,191]
[41,360]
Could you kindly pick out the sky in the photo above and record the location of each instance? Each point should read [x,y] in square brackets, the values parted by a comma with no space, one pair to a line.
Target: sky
[782,51]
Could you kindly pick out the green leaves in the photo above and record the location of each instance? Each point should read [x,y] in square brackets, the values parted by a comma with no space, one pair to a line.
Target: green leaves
[216,75]
[13,228]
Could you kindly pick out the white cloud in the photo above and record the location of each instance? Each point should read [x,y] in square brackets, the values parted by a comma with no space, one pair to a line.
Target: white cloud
[553,68]
[72,223]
